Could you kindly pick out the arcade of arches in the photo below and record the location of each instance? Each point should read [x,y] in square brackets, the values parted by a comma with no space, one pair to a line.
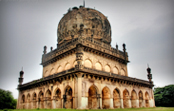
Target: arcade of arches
[97,98]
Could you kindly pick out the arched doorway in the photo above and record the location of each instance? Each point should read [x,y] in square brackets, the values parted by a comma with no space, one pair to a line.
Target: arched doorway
[41,100]
[106,98]
[147,99]
[23,101]
[48,99]
[134,99]
[116,98]
[92,98]
[140,99]
[34,101]
[57,97]
[28,101]
[68,100]
[126,98]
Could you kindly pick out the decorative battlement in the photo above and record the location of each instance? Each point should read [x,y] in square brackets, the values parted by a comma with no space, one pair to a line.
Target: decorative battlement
[89,44]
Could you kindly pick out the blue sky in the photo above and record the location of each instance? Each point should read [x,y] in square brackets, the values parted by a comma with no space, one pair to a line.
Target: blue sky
[145,26]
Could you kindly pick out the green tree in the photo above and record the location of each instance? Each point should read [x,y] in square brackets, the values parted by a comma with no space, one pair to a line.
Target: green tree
[164,96]
[6,100]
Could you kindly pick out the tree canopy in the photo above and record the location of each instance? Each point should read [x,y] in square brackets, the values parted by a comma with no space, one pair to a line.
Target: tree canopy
[164,96]
[6,100]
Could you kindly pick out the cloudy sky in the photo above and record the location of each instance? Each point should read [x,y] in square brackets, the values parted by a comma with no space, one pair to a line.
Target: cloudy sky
[146,26]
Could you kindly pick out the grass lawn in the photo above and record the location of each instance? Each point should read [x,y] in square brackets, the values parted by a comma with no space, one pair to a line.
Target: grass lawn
[129,109]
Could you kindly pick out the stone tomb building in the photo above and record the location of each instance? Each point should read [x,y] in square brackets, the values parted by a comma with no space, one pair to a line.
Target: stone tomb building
[84,71]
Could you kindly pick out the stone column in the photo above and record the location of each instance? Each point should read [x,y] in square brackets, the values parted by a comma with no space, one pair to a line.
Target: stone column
[100,103]
[79,92]
[121,103]
[53,103]
[129,102]
[137,103]
[62,103]
[144,105]
[111,103]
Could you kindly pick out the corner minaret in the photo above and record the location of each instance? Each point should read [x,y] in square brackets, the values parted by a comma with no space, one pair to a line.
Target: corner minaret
[149,75]
[21,77]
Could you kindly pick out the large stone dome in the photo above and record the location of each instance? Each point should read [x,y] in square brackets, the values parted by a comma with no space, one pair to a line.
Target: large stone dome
[84,22]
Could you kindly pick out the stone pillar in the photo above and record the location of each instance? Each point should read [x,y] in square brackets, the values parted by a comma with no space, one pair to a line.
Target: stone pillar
[100,103]
[129,102]
[53,103]
[62,103]
[121,103]
[79,92]
[37,104]
[144,105]
[111,103]
[137,103]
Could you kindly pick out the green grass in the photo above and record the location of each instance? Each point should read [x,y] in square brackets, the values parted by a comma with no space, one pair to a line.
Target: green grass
[129,109]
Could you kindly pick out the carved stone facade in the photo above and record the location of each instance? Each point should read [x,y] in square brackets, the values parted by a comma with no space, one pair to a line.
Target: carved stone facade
[84,71]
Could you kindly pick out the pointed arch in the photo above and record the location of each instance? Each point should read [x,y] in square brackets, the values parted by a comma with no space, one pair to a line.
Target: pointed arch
[57,96]
[107,68]
[59,69]
[106,94]
[123,72]
[88,63]
[48,99]
[67,66]
[68,100]
[92,97]
[115,70]
[41,100]
[28,97]
[147,99]
[116,98]
[46,73]
[48,94]
[126,98]
[140,95]
[98,66]
[23,98]
[34,98]
[52,71]
[134,98]
[74,63]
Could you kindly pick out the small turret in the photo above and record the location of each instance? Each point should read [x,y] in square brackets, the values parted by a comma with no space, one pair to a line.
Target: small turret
[51,48]
[124,47]
[116,46]
[149,75]
[21,73]
[45,50]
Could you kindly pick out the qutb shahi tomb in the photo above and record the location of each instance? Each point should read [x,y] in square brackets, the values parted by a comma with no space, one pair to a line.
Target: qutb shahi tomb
[84,71]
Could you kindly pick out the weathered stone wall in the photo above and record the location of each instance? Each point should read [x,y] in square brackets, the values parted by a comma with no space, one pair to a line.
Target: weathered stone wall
[61,65]
[97,62]
[94,93]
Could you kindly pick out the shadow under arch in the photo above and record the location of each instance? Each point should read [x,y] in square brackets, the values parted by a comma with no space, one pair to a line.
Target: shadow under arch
[28,101]
[116,98]
[48,99]
[134,99]
[23,101]
[146,99]
[57,98]
[106,94]
[88,63]
[34,99]
[93,97]
[140,95]
[126,98]
[41,100]
[68,99]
